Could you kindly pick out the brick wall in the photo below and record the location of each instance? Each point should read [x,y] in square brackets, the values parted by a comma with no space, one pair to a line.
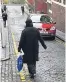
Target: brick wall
[40,5]
[31,1]
[49,8]
[58,14]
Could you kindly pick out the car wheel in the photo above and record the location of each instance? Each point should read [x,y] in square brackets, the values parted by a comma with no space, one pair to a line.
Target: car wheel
[53,38]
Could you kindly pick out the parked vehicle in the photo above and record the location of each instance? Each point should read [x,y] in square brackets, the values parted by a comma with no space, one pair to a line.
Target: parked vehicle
[44,24]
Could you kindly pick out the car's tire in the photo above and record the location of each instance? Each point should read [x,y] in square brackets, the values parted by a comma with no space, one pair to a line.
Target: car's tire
[53,38]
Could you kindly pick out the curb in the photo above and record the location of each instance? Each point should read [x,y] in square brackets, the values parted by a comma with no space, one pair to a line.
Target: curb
[60,35]
[22,77]
[22,72]
[60,38]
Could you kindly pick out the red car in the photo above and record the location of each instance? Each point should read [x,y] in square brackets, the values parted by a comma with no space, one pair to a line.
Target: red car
[44,24]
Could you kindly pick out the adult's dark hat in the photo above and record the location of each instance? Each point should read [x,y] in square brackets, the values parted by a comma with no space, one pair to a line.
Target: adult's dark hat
[28,21]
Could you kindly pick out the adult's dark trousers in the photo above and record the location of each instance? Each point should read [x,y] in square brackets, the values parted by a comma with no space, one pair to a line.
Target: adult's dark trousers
[4,22]
[32,68]
[22,11]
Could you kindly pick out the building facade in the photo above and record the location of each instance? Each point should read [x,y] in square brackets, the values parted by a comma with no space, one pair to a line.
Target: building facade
[38,5]
[56,9]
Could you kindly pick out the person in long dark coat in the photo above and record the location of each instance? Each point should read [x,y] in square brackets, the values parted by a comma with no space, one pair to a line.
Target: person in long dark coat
[3,8]
[4,16]
[22,9]
[29,44]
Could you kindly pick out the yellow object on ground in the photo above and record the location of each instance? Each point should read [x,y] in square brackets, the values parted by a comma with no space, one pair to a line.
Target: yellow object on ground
[22,75]
[5,1]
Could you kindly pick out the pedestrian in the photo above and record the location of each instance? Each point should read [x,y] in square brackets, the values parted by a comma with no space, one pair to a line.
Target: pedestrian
[22,8]
[30,46]
[3,8]
[30,10]
[4,16]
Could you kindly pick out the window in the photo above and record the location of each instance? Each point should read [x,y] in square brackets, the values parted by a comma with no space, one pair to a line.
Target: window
[63,1]
[45,19]
[59,1]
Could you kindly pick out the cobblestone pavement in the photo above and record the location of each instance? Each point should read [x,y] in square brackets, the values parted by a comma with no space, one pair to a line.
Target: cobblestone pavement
[51,64]
[8,73]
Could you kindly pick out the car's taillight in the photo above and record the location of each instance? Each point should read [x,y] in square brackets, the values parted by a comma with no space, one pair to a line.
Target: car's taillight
[52,28]
[48,29]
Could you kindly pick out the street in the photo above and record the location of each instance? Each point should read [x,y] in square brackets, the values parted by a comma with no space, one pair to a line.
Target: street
[51,64]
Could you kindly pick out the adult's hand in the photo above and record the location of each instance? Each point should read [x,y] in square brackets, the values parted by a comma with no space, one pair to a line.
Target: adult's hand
[45,47]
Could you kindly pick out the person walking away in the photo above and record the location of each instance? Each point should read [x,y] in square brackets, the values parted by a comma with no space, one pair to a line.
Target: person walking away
[3,8]
[30,11]
[30,46]
[22,8]
[4,16]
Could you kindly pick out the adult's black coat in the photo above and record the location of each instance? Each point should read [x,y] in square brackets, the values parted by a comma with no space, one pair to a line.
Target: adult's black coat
[4,16]
[29,44]
[22,8]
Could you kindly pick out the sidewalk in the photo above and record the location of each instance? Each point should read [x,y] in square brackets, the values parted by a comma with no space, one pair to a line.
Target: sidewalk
[2,53]
[1,50]
[0,57]
[0,45]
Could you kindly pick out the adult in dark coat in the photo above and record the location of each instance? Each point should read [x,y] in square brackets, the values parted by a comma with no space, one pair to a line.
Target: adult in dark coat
[4,16]
[29,44]
[3,8]
[22,8]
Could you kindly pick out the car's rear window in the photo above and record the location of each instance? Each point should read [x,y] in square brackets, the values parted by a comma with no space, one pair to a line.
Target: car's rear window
[45,19]
[35,18]
[39,18]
